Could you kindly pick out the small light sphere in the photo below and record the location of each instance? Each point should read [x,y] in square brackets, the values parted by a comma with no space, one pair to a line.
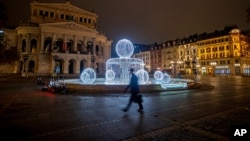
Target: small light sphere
[166,78]
[88,76]
[110,74]
[158,75]
[124,48]
[142,76]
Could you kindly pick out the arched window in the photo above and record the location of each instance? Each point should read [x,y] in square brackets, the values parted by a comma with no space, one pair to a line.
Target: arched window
[31,66]
[82,65]
[33,45]
[70,46]
[24,45]
[90,47]
[97,50]
[79,46]
[58,45]
[71,66]
[47,45]
[102,52]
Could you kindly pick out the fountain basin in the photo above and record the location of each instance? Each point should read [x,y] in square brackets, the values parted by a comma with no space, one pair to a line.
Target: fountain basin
[76,85]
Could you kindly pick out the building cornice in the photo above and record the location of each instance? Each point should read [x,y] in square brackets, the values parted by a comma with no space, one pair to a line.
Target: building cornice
[67,7]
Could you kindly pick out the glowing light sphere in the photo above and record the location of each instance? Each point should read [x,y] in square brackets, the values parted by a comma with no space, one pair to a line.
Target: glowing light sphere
[124,48]
[158,75]
[142,76]
[88,76]
[110,74]
[166,78]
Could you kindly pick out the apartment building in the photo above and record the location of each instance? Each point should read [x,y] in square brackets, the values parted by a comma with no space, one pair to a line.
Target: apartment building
[226,52]
[222,52]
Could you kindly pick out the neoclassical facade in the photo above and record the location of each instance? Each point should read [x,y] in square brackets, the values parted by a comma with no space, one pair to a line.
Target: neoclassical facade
[61,38]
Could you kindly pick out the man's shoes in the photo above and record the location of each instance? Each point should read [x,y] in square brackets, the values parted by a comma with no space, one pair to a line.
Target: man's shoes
[124,110]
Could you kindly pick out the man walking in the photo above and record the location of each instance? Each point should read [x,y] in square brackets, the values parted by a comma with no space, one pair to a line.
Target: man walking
[134,91]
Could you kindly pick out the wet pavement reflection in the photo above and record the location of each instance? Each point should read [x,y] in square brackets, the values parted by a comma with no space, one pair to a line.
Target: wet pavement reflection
[27,113]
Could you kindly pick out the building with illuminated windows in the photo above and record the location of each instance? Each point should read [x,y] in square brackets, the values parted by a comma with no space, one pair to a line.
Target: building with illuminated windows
[61,38]
[224,52]
[170,58]
[155,57]
[187,50]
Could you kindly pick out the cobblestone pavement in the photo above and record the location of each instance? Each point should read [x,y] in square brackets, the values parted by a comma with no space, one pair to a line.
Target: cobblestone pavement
[27,113]
[211,128]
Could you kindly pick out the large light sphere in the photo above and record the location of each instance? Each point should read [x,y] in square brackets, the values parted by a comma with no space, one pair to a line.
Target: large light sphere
[158,75]
[88,76]
[166,78]
[124,48]
[110,74]
[142,76]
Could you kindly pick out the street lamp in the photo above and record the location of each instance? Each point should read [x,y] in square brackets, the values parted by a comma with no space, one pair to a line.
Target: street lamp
[213,64]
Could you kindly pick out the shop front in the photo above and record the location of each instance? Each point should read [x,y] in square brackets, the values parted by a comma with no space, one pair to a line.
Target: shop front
[220,70]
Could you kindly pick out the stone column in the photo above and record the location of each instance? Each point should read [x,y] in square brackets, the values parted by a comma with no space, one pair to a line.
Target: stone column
[94,48]
[77,71]
[19,43]
[64,43]
[84,49]
[75,43]
[89,61]
[28,43]
[42,43]
[53,65]
[66,67]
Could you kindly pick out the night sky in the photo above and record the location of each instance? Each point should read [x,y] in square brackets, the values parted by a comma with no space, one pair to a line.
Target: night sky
[150,21]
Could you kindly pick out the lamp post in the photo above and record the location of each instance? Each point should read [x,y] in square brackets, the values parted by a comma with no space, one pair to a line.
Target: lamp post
[213,64]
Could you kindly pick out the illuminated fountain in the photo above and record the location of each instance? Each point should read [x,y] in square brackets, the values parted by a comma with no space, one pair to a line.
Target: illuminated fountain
[117,75]
[117,69]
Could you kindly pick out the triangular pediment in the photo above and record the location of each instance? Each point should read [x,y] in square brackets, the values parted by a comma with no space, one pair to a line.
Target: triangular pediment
[68,26]
[63,7]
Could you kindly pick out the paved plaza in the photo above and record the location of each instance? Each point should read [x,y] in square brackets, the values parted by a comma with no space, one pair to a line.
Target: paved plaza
[27,113]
